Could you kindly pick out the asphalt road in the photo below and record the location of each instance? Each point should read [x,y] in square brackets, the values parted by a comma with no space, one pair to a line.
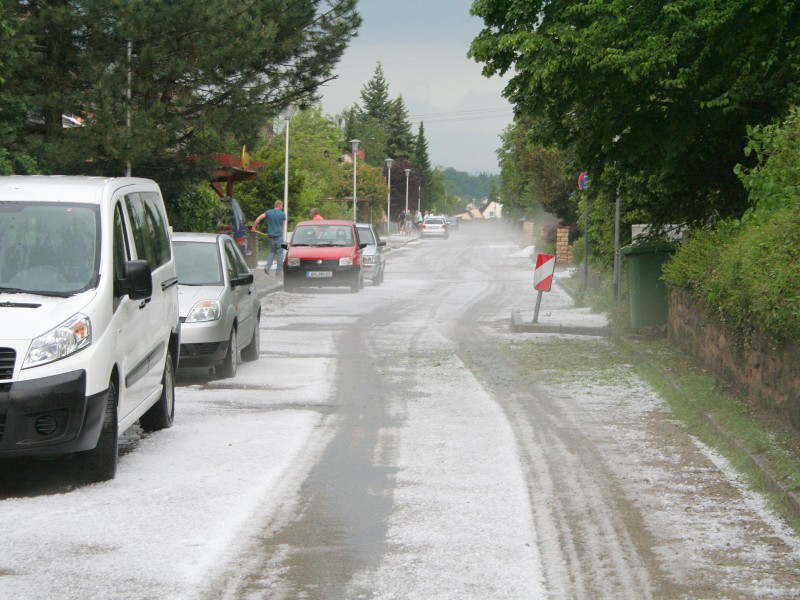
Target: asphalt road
[403,442]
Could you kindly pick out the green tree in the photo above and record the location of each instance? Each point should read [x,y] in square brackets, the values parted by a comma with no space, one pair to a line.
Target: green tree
[400,139]
[419,155]
[653,95]
[375,97]
[534,177]
[204,76]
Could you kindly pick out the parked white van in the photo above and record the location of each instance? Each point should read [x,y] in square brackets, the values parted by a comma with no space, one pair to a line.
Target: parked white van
[89,326]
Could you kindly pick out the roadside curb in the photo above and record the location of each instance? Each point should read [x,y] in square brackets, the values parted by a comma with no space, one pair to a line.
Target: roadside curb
[520,326]
[773,485]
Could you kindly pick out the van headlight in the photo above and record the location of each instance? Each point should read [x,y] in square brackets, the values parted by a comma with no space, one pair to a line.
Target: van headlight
[345,261]
[293,262]
[71,336]
[205,310]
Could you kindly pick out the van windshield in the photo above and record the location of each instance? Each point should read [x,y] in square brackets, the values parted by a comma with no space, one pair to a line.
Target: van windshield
[50,249]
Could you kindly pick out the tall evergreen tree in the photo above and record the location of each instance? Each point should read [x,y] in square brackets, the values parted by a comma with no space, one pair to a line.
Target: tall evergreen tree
[375,97]
[204,73]
[400,139]
[420,155]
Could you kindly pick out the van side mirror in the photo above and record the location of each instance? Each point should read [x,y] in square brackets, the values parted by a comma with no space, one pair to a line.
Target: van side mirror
[362,246]
[136,282]
[285,246]
[381,243]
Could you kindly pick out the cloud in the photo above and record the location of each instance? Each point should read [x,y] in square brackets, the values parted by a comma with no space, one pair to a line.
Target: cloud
[422,48]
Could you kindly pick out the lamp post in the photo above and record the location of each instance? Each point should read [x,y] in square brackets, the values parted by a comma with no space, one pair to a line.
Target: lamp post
[389,162]
[287,115]
[355,144]
[408,172]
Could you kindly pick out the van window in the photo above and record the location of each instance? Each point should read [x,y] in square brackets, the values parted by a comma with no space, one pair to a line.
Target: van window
[149,228]
[49,248]
[121,250]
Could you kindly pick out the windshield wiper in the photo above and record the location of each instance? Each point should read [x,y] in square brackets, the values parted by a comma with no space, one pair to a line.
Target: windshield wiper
[8,290]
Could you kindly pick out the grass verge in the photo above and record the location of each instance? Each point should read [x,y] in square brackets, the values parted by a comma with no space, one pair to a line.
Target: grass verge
[764,448]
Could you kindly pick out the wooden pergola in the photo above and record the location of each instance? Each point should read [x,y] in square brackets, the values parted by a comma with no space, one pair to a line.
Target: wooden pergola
[231,170]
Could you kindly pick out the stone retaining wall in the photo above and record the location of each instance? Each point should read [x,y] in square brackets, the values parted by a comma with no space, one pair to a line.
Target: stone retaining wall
[766,374]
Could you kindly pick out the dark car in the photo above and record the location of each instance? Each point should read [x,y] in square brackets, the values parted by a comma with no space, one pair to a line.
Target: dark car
[452,223]
[323,253]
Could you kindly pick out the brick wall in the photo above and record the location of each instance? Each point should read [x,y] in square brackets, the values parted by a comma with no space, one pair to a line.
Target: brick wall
[563,254]
[766,373]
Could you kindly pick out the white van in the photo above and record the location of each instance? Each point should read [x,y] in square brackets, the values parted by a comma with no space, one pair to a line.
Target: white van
[89,326]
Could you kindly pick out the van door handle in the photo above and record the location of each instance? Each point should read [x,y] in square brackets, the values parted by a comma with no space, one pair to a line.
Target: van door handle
[143,303]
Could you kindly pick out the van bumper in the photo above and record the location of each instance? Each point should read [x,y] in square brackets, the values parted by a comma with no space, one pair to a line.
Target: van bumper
[51,415]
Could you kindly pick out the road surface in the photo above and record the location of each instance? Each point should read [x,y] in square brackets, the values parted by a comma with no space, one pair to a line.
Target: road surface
[403,443]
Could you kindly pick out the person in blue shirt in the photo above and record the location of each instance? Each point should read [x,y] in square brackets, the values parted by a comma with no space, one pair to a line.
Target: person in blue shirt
[275,219]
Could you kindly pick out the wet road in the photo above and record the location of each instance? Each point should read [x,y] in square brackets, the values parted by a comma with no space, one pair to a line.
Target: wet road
[457,468]
[403,443]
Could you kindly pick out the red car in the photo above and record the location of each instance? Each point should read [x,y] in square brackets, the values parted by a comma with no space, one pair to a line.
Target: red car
[323,253]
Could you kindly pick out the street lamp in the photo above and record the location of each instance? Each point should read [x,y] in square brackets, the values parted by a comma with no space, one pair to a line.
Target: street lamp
[355,144]
[408,172]
[287,115]
[389,162]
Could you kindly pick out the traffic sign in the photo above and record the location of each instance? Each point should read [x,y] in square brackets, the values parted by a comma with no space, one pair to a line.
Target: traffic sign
[543,273]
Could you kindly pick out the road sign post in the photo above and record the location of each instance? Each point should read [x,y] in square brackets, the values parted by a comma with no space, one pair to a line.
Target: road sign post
[542,279]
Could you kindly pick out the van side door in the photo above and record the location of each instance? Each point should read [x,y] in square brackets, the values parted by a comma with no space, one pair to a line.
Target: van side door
[148,229]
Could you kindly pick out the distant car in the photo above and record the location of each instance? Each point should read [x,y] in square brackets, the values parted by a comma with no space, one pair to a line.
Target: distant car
[374,262]
[434,227]
[323,253]
[219,308]
[452,223]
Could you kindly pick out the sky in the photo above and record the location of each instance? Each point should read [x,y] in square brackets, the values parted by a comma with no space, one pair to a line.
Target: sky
[422,47]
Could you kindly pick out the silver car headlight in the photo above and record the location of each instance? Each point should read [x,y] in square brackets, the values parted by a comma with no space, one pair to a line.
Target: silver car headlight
[205,310]
[369,259]
[345,261]
[293,262]
[71,336]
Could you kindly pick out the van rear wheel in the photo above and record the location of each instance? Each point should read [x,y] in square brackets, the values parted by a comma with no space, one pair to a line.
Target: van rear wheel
[100,464]
[162,413]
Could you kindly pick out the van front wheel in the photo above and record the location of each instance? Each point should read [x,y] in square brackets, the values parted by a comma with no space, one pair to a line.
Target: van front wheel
[100,464]
[162,413]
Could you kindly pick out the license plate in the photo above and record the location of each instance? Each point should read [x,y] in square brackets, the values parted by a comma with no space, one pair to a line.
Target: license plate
[318,274]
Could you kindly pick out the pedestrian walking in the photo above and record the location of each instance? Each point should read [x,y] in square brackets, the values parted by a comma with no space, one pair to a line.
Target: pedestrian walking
[275,219]
[408,222]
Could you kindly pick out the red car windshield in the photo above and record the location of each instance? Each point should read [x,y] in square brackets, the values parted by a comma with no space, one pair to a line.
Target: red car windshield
[323,235]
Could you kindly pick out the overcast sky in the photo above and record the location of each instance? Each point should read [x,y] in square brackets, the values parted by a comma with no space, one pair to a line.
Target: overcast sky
[422,46]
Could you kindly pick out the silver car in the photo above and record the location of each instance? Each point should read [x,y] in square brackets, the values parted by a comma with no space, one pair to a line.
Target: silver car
[219,308]
[373,262]
[434,227]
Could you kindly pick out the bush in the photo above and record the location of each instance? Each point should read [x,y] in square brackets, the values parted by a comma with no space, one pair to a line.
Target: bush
[745,272]
[198,209]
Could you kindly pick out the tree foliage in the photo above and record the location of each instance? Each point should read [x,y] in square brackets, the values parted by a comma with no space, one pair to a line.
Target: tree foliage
[744,272]
[535,178]
[655,95]
[204,76]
